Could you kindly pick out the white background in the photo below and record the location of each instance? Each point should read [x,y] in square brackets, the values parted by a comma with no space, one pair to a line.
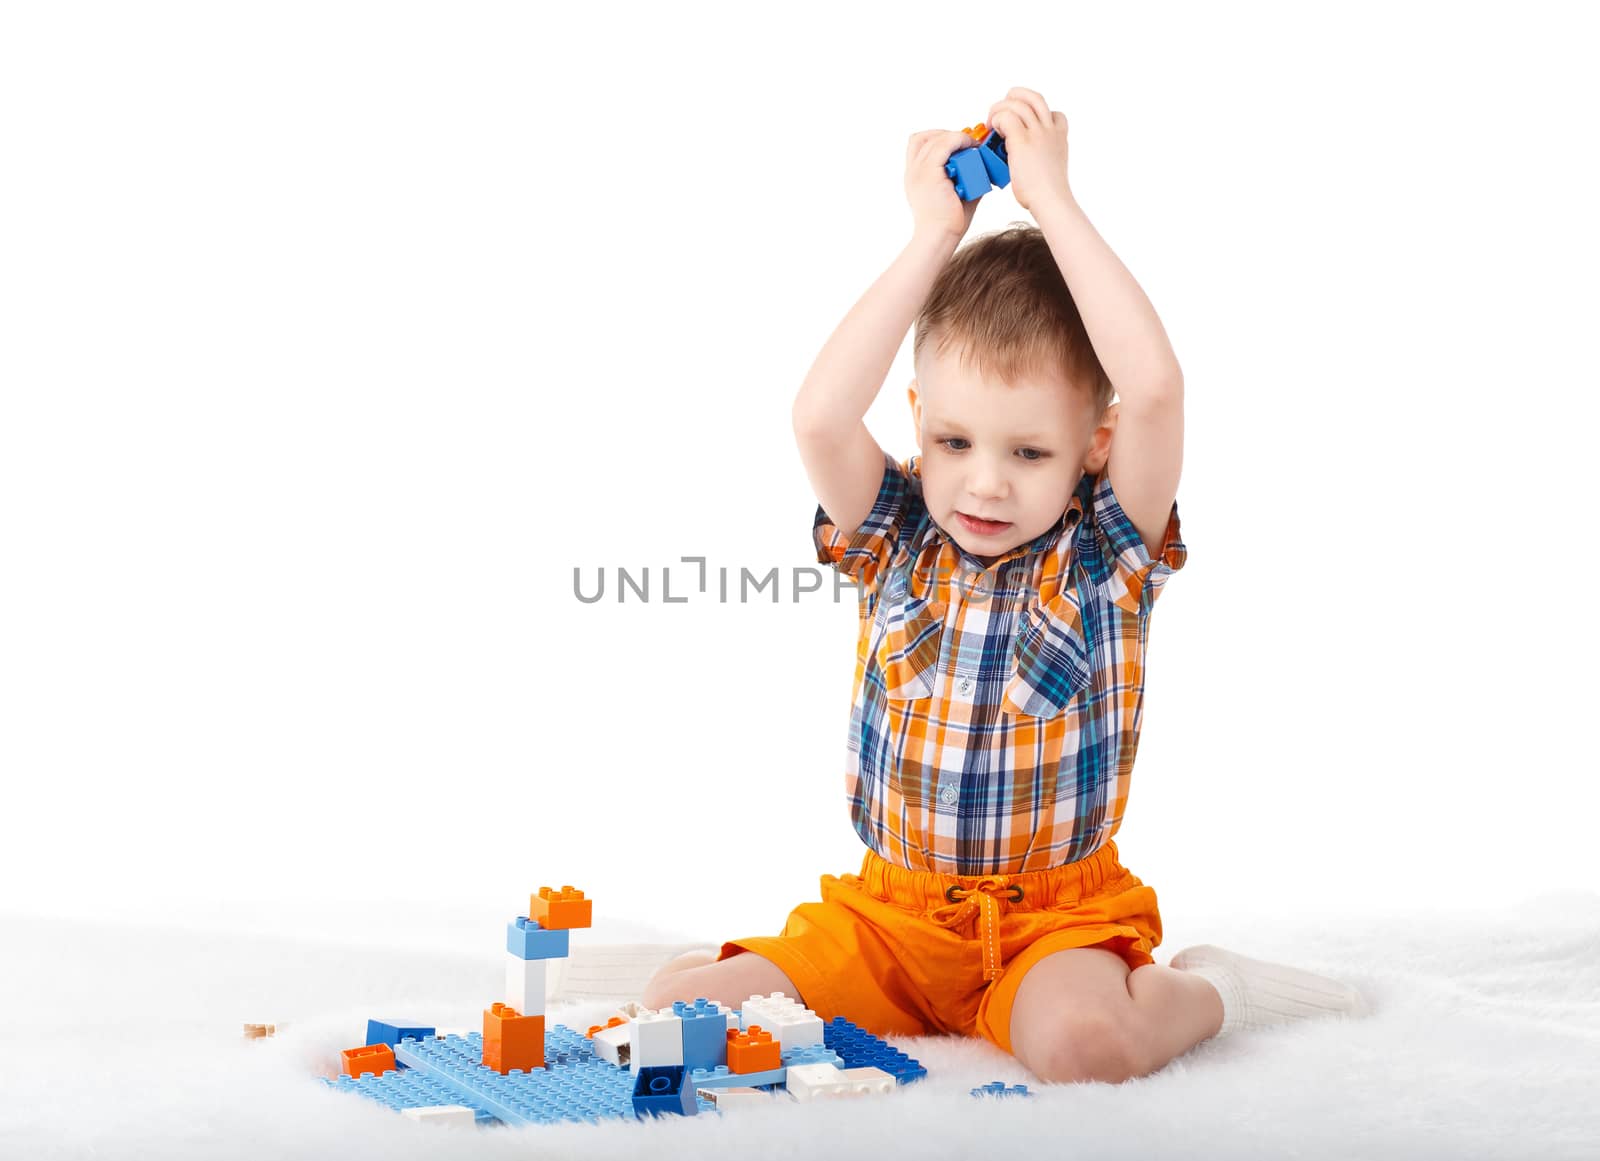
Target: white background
[336,337]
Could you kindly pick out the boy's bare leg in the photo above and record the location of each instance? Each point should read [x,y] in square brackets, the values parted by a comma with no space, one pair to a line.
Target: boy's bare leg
[1083,1015]
[1179,1010]
[730,982]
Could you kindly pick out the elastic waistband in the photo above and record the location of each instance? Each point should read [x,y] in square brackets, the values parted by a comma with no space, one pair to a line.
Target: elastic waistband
[1052,887]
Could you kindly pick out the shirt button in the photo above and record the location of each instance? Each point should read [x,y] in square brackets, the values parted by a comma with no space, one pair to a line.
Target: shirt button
[948,796]
[964,685]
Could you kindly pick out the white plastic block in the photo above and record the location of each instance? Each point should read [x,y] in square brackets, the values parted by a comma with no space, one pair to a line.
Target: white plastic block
[792,1024]
[656,1040]
[867,1079]
[631,1010]
[809,1082]
[525,984]
[443,1115]
[614,1044]
[737,1098]
[806,1082]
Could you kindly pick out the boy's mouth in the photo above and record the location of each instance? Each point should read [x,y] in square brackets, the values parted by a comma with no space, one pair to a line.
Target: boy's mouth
[983,527]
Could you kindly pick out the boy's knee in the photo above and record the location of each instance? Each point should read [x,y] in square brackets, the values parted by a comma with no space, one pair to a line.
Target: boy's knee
[1089,1046]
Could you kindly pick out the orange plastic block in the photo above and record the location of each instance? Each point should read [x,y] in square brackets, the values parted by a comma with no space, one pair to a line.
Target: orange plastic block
[753,1050]
[977,132]
[374,1058]
[561,910]
[611,1023]
[512,1040]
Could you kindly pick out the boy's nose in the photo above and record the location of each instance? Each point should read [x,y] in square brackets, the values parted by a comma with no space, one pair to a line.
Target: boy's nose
[986,486]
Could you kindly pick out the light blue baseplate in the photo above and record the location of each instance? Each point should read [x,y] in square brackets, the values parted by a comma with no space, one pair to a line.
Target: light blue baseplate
[574,1085]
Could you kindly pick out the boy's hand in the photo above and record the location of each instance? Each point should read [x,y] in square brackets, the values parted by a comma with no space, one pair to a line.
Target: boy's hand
[935,205]
[1036,148]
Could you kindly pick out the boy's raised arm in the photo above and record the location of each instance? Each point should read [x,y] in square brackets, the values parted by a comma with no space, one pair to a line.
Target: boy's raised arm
[842,460]
[1146,457]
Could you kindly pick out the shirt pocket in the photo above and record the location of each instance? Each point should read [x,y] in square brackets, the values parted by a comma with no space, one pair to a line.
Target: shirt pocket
[910,642]
[1051,658]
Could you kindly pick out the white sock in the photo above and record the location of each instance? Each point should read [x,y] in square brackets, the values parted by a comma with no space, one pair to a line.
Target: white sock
[614,971]
[1257,994]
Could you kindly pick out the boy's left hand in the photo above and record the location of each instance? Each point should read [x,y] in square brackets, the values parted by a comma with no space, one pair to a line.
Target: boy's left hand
[1036,147]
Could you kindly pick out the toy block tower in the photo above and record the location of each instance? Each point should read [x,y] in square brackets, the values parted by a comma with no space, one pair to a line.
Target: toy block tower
[534,939]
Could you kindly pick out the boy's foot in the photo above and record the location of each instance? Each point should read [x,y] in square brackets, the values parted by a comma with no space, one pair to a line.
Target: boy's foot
[617,971]
[1258,994]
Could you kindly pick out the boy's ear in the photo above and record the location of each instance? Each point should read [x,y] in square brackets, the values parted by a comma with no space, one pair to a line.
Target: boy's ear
[1094,460]
[916,412]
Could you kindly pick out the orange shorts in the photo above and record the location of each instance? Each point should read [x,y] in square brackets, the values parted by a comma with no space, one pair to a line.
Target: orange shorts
[913,953]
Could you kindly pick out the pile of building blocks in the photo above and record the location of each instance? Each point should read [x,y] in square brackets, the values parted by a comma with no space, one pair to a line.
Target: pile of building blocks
[978,168]
[692,1058]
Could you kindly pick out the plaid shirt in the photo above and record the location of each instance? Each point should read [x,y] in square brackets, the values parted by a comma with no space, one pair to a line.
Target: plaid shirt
[995,712]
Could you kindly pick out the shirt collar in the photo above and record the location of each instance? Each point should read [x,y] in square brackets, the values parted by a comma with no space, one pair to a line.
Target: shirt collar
[1064,526]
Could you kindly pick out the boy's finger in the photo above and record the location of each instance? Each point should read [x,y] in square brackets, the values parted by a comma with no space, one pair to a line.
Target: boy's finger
[1036,102]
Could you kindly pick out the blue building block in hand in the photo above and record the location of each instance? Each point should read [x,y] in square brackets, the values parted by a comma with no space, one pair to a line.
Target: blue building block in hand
[967,170]
[664,1089]
[995,163]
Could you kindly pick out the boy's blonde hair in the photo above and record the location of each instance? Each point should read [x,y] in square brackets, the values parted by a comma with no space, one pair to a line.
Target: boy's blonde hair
[1002,301]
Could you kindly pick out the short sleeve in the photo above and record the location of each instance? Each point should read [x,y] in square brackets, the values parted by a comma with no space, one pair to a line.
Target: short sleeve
[864,552]
[1131,578]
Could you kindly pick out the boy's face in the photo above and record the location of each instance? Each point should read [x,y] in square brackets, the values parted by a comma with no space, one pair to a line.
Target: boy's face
[1010,452]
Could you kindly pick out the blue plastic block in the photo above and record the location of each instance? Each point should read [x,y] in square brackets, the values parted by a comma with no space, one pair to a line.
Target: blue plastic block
[705,1033]
[861,1049]
[525,939]
[967,170]
[721,1077]
[663,1088]
[997,1088]
[390,1033]
[995,162]
[572,1086]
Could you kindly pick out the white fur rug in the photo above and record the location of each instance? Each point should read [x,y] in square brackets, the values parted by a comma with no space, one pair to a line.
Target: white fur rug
[124,1041]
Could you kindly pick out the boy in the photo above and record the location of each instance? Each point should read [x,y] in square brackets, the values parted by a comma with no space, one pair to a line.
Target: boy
[1000,665]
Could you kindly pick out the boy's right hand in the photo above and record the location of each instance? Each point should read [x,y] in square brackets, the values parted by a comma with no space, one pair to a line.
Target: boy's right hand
[935,205]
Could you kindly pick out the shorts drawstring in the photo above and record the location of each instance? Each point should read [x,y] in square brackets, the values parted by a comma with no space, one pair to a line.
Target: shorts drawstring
[981,896]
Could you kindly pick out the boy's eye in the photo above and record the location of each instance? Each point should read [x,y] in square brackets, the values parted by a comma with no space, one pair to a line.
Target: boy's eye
[1030,455]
